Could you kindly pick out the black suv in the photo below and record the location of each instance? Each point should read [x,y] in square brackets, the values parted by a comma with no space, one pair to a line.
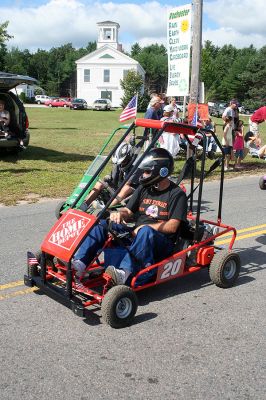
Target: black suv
[16,132]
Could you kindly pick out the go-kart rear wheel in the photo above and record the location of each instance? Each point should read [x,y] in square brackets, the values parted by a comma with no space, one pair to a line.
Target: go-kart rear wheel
[119,306]
[262,183]
[224,268]
[59,209]
[33,270]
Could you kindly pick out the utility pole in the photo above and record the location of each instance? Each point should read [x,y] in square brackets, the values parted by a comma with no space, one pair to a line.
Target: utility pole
[196,51]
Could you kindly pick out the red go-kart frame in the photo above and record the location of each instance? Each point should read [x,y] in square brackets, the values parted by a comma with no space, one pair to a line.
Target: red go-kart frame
[119,303]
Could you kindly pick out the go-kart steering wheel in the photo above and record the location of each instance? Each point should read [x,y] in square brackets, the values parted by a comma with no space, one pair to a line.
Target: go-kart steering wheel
[115,234]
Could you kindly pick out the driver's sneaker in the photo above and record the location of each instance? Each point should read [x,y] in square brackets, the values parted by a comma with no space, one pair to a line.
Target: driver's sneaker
[118,276]
[78,284]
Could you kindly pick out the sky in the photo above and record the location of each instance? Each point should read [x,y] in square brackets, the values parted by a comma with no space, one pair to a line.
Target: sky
[45,24]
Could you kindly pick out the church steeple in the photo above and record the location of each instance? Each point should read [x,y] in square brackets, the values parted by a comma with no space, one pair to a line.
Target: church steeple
[108,34]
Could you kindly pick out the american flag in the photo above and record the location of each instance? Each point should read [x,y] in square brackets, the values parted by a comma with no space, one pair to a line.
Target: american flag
[32,260]
[130,111]
[195,118]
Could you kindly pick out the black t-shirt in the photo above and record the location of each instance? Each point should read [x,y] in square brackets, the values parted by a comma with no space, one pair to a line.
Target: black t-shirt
[150,205]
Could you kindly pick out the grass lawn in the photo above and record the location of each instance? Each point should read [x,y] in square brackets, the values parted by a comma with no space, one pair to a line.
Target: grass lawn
[62,145]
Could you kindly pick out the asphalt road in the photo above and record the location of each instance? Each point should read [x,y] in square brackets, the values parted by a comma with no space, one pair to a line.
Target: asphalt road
[189,340]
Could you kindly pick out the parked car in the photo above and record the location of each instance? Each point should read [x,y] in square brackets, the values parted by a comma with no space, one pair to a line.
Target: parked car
[17,129]
[41,98]
[78,104]
[217,110]
[102,104]
[180,106]
[245,110]
[57,103]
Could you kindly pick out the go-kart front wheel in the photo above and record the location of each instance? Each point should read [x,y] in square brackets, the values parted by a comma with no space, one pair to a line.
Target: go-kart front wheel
[119,306]
[59,208]
[262,183]
[224,268]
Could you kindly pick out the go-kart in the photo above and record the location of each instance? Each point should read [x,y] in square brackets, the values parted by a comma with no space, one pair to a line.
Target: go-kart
[51,270]
[64,205]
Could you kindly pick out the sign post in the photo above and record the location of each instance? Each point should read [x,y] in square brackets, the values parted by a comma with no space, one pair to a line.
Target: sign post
[178,47]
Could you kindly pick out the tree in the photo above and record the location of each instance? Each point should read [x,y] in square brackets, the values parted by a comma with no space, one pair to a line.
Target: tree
[17,61]
[132,84]
[208,68]
[254,79]
[135,50]
[4,37]
[153,59]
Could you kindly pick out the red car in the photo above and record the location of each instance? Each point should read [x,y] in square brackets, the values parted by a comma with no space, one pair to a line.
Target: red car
[57,103]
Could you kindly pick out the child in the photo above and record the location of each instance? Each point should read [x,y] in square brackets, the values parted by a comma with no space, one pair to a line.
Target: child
[227,141]
[211,145]
[167,140]
[238,145]
[4,118]
[253,143]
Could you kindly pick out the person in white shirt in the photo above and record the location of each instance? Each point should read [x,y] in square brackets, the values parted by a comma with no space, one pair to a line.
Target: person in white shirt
[4,118]
[230,112]
[169,141]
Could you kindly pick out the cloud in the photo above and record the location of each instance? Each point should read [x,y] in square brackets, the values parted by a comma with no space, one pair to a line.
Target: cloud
[240,23]
[74,21]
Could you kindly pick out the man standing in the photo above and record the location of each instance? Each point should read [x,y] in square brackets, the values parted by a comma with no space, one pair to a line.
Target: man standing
[154,108]
[257,118]
[230,112]
[154,111]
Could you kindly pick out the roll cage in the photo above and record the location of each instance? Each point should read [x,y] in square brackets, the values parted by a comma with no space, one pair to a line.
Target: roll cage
[193,135]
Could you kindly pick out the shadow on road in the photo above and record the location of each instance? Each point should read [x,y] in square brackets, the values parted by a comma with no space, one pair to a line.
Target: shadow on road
[252,260]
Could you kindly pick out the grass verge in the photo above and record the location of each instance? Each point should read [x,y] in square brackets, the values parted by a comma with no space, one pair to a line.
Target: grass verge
[63,143]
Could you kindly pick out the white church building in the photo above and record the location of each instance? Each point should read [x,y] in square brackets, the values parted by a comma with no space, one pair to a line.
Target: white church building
[99,73]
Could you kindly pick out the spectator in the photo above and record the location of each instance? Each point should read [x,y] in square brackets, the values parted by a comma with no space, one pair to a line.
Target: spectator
[153,108]
[211,146]
[236,117]
[227,141]
[253,143]
[238,145]
[153,113]
[172,102]
[230,112]
[4,124]
[4,118]
[257,118]
[168,140]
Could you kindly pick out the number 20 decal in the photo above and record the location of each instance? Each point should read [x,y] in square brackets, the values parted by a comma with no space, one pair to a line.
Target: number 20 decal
[170,269]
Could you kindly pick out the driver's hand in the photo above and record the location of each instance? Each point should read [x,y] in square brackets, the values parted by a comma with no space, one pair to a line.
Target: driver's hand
[115,217]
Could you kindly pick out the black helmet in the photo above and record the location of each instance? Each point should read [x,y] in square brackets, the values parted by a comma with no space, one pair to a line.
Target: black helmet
[123,155]
[160,164]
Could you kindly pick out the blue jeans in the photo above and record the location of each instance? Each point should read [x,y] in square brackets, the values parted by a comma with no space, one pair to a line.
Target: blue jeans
[146,248]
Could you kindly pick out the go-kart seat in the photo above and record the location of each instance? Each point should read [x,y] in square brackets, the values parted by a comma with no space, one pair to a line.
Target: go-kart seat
[185,235]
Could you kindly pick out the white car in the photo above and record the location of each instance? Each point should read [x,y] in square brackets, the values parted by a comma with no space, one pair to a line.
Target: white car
[41,98]
[102,104]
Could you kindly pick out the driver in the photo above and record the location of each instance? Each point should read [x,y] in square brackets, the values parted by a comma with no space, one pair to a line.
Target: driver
[123,160]
[158,206]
